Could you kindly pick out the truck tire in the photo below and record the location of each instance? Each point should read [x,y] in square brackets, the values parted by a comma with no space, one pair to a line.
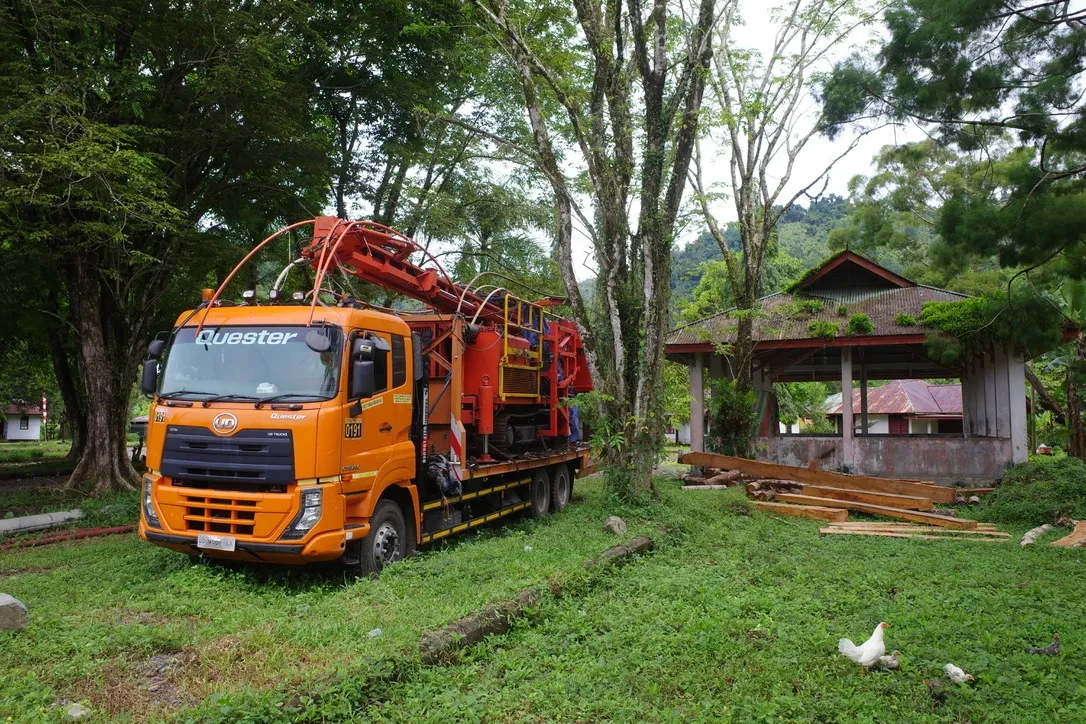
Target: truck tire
[561,487]
[387,541]
[540,493]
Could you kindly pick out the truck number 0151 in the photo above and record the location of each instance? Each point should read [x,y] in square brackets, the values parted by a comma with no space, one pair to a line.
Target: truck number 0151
[352,429]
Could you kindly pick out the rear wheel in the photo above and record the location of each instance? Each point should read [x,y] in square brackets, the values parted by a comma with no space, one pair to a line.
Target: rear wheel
[540,493]
[387,541]
[561,487]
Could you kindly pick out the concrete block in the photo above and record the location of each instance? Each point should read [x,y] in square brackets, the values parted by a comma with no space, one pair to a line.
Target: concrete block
[13,615]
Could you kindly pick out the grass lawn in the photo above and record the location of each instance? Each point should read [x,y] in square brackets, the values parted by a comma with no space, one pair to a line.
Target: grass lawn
[21,452]
[733,618]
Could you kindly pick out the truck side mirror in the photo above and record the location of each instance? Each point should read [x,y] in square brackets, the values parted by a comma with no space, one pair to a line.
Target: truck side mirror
[363,382]
[149,378]
[156,348]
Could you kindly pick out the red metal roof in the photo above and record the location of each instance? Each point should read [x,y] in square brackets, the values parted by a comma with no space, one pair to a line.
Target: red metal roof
[908,397]
[22,410]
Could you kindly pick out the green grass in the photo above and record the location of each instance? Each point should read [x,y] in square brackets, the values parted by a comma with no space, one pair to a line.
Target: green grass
[733,618]
[18,452]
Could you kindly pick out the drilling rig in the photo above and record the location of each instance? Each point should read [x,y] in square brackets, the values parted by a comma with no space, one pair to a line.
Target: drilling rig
[315,426]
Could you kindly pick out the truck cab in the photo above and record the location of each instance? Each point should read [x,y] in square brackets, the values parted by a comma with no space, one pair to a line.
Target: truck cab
[271,438]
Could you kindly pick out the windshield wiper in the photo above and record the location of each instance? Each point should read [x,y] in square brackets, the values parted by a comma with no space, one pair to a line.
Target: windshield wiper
[285,395]
[220,398]
[175,393]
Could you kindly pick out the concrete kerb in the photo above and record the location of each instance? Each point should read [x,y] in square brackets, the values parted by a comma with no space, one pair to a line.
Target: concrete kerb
[438,646]
[41,521]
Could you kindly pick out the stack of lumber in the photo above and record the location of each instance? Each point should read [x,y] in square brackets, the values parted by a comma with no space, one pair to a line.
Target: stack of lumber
[983,533]
[783,489]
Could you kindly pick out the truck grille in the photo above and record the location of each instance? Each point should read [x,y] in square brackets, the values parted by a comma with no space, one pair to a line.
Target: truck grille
[249,460]
[219,515]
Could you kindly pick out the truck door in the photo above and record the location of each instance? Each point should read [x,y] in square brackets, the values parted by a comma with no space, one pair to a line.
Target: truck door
[375,427]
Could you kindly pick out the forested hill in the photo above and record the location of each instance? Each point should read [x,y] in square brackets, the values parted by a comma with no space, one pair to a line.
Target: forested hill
[802,242]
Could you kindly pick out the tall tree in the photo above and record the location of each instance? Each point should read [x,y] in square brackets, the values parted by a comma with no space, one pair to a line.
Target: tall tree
[131,133]
[759,106]
[618,87]
[979,73]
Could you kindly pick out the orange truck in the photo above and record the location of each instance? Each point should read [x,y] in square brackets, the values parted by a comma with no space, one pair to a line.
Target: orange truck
[318,427]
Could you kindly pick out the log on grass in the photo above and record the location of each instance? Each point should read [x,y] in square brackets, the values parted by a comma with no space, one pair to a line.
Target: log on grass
[938,493]
[724,477]
[914,515]
[1077,539]
[705,487]
[892,524]
[814,512]
[908,502]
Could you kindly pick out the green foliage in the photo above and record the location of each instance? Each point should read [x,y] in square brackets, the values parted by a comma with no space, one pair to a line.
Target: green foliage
[823,329]
[1031,324]
[905,320]
[806,307]
[803,402]
[859,325]
[987,77]
[842,310]
[1038,492]
[677,392]
[731,418]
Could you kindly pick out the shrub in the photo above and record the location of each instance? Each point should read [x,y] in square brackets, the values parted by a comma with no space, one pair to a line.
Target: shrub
[731,419]
[822,329]
[859,325]
[807,307]
[842,310]
[905,320]
[1037,492]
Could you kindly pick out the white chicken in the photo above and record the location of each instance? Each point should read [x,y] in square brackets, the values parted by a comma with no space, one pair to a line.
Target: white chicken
[867,653]
[957,675]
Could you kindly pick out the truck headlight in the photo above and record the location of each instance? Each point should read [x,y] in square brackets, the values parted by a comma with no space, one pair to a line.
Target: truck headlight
[308,516]
[149,515]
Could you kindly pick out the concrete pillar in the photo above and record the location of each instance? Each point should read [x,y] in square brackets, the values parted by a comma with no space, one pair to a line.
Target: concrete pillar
[1002,412]
[863,399]
[1017,384]
[848,451]
[697,404]
[989,396]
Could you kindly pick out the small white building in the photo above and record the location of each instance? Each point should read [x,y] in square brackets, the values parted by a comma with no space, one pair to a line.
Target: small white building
[20,423]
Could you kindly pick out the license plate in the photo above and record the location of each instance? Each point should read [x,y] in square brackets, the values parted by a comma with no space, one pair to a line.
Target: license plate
[216,542]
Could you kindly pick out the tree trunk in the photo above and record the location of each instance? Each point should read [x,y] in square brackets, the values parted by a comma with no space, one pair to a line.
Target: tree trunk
[106,379]
[1076,373]
[74,410]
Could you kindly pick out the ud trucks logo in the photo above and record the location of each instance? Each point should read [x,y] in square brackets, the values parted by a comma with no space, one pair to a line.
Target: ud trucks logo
[225,423]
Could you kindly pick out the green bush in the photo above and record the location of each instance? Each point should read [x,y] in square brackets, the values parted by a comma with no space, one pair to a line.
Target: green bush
[822,329]
[1037,492]
[731,419]
[807,307]
[842,310]
[859,325]
[905,320]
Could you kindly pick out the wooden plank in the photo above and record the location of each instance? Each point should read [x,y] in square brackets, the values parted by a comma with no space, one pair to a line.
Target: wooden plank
[908,502]
[705,487]
[1077,539]
[815,512]
[979,491]
[922,529]
[938,493]
[893,524]
[916,516]
[882,534]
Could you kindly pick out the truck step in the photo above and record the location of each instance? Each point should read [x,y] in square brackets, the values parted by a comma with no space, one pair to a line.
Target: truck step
[477,521]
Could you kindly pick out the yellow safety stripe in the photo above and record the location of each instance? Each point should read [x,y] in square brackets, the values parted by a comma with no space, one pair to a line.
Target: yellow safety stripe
[476,521]
[468,496]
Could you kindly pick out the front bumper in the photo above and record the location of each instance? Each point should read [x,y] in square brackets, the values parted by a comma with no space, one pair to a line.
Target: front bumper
[321,547]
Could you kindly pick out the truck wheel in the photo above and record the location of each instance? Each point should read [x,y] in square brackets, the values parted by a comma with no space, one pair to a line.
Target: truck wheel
[561,487]
[387,541]
[540,493]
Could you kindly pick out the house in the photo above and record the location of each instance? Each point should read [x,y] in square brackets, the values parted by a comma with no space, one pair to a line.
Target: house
[905,407]
[20,422]
[803,334]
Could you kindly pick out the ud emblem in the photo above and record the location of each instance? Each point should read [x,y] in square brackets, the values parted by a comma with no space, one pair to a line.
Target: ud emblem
[225,424]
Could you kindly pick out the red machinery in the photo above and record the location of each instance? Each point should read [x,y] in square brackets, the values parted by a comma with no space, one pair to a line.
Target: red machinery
[498,367]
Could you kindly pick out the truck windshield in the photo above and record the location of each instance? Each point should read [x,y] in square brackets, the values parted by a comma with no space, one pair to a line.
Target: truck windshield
[251,362]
